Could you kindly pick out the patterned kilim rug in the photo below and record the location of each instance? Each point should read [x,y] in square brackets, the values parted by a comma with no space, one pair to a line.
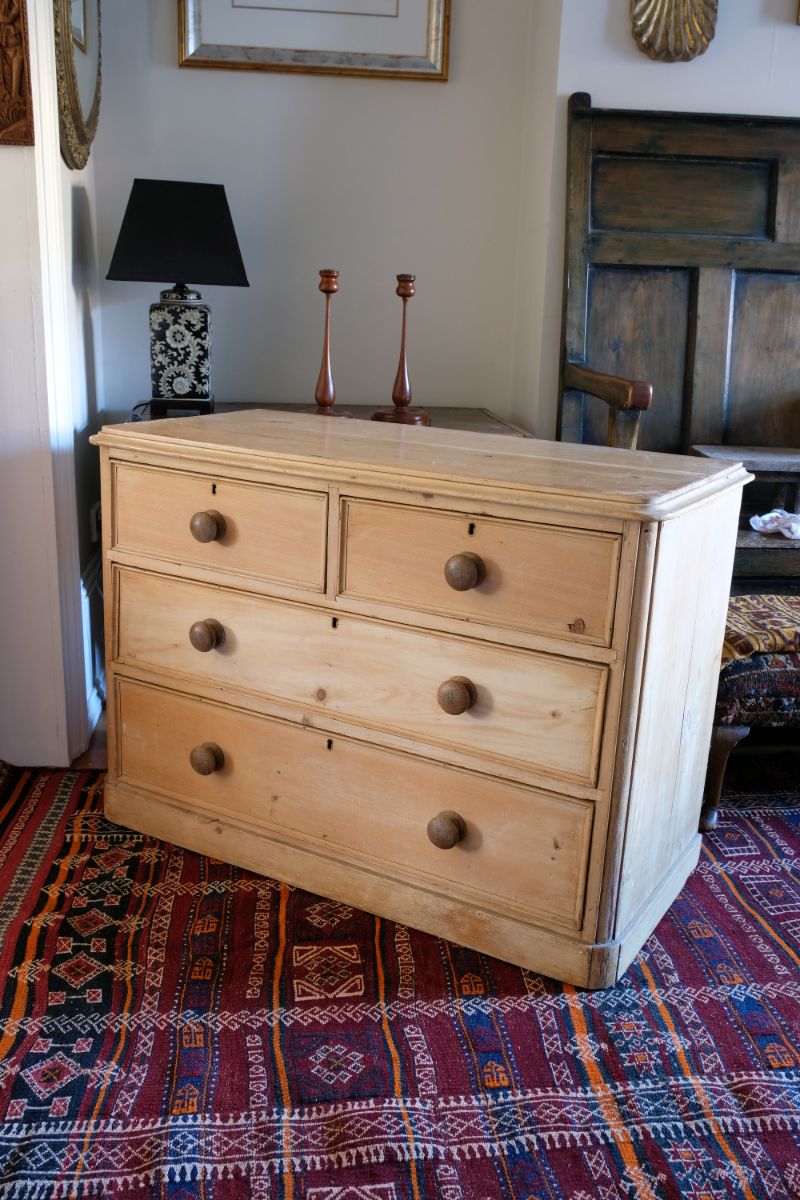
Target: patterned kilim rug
[176,1028]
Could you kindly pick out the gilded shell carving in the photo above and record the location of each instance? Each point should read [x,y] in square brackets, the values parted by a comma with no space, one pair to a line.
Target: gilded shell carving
[673,30]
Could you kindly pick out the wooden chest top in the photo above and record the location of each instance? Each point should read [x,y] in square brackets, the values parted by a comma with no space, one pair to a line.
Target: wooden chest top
[628,484]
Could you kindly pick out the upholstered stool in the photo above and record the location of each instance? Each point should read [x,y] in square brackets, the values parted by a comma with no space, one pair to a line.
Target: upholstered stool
[759,683]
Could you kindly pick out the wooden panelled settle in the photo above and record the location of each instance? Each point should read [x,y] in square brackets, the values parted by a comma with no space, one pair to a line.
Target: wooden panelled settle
[462,680]
[683,268]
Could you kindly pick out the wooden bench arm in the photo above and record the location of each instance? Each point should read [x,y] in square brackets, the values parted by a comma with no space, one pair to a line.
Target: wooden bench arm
[620,393]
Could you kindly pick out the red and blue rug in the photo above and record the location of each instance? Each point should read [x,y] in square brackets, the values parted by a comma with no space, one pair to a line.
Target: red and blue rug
[177,1028]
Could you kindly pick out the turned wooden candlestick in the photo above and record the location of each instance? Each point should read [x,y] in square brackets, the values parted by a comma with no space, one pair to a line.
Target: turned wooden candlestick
[402,412]
[325,394]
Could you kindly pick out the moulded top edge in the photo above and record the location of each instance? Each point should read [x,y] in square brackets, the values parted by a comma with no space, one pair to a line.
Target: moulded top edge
[641,483]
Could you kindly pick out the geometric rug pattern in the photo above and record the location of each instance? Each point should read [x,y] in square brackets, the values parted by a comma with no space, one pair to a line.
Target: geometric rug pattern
[175,1027]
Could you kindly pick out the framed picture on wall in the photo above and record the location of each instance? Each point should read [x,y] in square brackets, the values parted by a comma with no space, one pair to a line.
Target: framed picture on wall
[397,39]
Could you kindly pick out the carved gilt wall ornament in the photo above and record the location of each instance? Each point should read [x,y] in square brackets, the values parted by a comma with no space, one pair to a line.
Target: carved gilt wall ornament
[16,111]
[77,30]
[673,30]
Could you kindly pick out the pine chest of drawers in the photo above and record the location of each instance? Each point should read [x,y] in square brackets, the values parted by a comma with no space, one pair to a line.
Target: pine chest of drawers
[461,680]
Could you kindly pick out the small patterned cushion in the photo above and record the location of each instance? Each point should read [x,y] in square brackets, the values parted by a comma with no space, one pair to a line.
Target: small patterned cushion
[763,689]
[761,625]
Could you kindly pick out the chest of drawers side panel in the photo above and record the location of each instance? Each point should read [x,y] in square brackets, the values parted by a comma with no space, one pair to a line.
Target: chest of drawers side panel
[685,624]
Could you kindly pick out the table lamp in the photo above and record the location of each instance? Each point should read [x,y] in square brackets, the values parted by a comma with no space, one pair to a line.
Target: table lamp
[178,231]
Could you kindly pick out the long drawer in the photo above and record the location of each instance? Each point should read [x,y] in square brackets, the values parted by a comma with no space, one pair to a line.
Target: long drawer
[530,709]
[521,848]
[536,578]
[271,533]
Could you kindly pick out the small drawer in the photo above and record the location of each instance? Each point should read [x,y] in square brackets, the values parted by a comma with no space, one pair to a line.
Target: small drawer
[533,578]
[266,532]
[514,707]
[519,848]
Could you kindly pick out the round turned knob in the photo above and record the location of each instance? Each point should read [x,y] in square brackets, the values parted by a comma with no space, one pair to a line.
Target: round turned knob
[205,635]
[207,758]
[447,830]
[456,695]
[208,526]
[464,571]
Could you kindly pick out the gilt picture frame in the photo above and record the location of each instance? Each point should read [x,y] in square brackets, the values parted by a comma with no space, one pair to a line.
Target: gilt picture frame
[78,23]
[395,39]
[78,78]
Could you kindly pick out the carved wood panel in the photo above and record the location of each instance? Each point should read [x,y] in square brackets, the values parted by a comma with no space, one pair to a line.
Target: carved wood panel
[16,109]
[628,313]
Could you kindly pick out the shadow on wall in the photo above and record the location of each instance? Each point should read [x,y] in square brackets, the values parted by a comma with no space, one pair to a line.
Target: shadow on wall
[86,421]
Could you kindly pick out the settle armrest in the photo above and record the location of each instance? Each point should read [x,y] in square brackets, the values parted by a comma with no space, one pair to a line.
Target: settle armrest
[620,393]
[627,399]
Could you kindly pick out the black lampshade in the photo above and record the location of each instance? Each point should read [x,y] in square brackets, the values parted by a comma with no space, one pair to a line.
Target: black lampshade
[175,232]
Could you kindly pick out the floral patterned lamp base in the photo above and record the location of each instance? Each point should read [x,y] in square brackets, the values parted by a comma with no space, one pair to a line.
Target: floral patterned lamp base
[180,343]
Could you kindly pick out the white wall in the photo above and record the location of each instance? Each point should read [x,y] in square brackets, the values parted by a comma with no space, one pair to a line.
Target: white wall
[462,183]
[751,65]
[32,706]
[372,177]
[45,366]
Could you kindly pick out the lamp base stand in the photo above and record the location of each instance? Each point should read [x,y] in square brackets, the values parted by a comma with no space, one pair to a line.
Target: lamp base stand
[180,342]
[187,406]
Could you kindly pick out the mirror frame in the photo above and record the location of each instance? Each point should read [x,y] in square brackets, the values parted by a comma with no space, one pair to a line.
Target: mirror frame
[76,131]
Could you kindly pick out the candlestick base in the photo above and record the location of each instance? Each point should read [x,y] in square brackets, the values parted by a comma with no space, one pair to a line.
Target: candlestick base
[402,416]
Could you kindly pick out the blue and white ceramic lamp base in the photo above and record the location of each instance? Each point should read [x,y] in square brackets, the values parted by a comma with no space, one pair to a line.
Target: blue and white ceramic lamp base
[180,342]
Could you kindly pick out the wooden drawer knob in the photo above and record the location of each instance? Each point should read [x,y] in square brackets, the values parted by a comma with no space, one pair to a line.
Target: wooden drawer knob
[208,526]
[464,571]
[447,830]
[207,758]
[205,635]
[456,695]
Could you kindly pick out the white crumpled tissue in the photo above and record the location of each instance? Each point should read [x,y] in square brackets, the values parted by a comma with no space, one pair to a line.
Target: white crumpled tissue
[778,521]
